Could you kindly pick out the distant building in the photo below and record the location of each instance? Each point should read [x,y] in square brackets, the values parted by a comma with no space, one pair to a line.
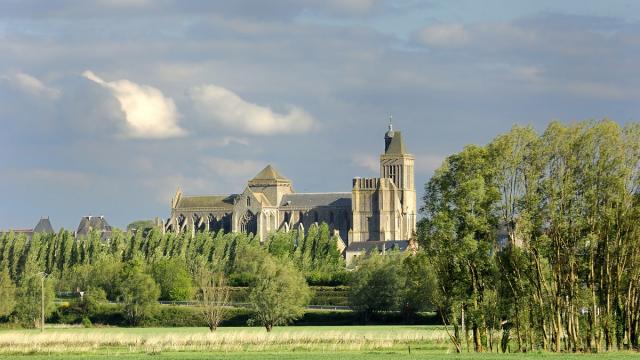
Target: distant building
[375,211]
[94,223]
[42,227]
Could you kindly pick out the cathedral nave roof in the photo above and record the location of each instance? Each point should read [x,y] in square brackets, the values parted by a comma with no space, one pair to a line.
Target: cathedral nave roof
[310,200]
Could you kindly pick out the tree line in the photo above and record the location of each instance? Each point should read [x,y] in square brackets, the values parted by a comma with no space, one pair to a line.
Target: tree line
[536,238]
[137,269]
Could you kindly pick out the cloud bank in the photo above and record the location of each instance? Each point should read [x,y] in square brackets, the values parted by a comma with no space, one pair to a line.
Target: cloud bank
[148,113]
[224,107]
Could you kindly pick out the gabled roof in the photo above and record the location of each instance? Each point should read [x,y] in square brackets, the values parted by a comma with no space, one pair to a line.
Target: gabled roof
[396,146]
[315,200]
[44,226]
[269,173]
[207,201]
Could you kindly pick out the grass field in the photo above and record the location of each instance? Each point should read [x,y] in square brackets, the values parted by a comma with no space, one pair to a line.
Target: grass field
[309,343]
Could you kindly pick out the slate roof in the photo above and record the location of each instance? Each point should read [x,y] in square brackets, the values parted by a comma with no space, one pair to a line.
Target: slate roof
[367,246]
[396,146]
[269,173]
[44,226]
[206,201]
[310,200]
[90,223]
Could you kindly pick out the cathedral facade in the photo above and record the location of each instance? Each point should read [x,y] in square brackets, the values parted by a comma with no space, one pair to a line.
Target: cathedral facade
[376,209]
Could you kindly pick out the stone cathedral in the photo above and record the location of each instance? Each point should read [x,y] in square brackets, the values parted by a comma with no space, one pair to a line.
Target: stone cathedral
[376,210]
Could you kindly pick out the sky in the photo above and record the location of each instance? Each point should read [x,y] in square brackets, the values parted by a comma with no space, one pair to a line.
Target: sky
[108,106]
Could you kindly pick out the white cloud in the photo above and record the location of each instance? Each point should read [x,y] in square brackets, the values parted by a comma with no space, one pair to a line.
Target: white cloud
[222,106]
[32,86]
[148,113]
[444,35]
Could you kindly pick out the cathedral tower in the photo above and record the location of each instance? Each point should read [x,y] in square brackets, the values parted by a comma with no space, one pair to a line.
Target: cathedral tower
[398,165]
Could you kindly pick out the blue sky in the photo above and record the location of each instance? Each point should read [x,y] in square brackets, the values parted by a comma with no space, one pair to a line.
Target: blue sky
[108,106]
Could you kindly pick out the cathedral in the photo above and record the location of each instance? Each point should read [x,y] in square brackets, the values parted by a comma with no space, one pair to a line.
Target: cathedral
[377,210]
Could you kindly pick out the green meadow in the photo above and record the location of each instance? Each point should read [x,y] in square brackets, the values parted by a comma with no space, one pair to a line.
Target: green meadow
[308,342]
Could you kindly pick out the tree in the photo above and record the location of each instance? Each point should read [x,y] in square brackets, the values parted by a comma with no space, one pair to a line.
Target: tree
[173,278]
[138,292]
[7,293]
[141,225]
[418,284]
[460,232]
[376,284]
[105,274]
[29,299]
[213,297]
[279,293]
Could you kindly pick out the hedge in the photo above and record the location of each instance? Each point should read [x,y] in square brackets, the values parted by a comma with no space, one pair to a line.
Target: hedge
[190,316]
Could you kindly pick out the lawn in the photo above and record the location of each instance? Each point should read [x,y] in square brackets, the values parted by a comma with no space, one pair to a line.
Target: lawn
[302,342]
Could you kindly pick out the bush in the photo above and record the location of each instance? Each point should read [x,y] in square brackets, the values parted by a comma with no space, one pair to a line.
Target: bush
[191,316]
[323,278]
[86,322]
[241,279]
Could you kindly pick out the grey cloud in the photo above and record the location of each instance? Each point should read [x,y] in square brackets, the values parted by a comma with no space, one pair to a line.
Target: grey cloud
[348,75]
[277,9]
[32,85]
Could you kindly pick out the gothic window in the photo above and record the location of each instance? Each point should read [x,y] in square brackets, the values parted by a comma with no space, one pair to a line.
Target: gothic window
[248,201]
[249,223]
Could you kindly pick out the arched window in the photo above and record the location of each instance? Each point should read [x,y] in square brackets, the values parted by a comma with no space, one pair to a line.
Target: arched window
[249,223]
[248,201]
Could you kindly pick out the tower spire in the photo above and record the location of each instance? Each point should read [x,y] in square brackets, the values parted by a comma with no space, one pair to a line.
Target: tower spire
[390,122]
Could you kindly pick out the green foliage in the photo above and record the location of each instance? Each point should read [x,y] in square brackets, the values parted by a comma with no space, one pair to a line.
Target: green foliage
[140,225]
[418,285]
[90,301]
[138,292]
[278,294]
[28,308]
[536,236]
[173,278]
[7,293]
[376,284]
